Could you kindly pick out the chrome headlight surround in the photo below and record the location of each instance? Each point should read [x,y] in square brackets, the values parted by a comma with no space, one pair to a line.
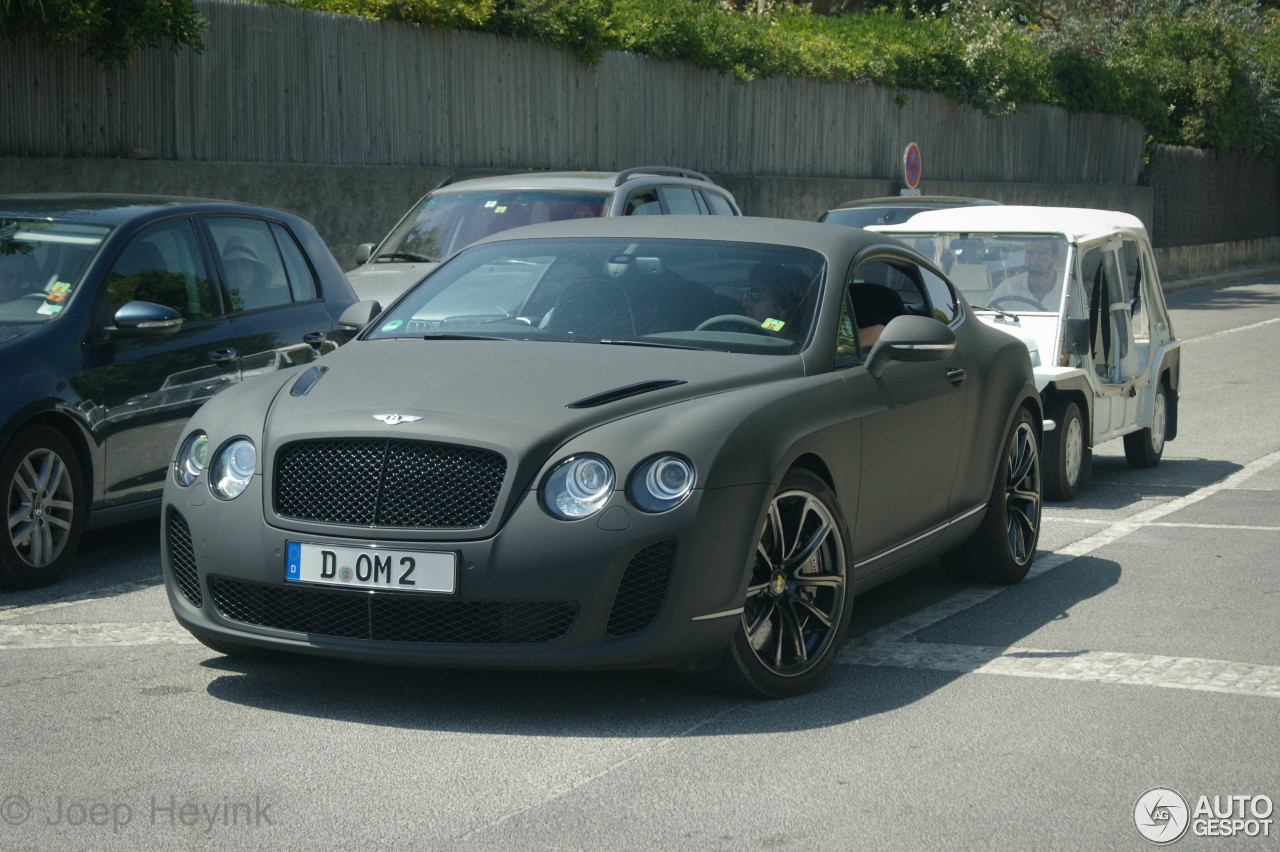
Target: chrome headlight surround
[577,487]
[661,483]
[233,467]
[192,457]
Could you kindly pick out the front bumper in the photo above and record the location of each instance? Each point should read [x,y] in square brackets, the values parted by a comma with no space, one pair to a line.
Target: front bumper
[619,590]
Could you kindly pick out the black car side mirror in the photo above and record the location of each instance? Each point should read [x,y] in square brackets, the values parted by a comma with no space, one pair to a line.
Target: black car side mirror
[144,319]
[360,314]
[910,338]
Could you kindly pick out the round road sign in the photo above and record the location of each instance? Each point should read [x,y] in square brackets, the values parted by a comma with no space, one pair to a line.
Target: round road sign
[911,165]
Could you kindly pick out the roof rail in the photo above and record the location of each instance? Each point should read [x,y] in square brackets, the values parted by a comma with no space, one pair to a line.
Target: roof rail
[627,174]
[468,174]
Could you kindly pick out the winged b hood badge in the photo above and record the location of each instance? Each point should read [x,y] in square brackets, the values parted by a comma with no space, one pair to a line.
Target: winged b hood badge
[393,419]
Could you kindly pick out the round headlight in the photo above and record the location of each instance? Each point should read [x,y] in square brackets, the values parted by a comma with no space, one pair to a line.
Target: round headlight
[661,483]
[578,488]
[233,468]
[192,456]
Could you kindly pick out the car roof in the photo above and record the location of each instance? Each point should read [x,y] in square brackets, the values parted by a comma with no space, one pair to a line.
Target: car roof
[894,200]
[110,209]
[582,181]
[1077,224]
[818,236]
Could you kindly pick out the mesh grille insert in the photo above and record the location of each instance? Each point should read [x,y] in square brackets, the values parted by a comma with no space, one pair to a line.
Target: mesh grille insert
[183,556]
[642,589]
[375,482]
[392,618]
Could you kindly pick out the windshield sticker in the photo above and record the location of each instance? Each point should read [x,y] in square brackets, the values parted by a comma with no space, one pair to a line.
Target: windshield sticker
[393,325]
[773,324]
[58,292]
[491,203]
[48,310]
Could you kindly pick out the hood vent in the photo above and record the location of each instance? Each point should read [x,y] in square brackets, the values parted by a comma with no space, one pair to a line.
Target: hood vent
[624,392]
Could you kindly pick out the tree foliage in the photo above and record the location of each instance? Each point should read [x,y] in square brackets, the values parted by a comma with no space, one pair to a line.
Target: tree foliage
[110,30]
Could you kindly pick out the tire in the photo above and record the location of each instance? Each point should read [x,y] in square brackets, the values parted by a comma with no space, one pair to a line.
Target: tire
[1145,447]
[46,504]
[1066,454]
[1001,550]
[799,595]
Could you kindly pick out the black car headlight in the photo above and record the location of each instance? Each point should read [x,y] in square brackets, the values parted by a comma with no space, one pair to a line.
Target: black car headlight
[233,467]
[578,488]
[192,456]
[661,483]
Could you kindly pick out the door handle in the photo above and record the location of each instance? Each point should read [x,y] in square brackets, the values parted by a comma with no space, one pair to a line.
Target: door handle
[219,356]
[956,375]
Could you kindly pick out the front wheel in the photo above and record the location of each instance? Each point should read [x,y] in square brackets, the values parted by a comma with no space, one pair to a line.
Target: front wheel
[1145,447]
[1066,454]
[799,595]
[1001,550]
[46,507]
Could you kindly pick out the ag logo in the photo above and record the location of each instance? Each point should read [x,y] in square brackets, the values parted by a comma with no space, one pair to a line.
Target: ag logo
[1161,815]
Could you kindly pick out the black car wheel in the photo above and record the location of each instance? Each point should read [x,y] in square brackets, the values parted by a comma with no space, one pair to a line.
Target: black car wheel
[45,505]
[799,595]
[1145,447]
[1002,548]
[1066,454]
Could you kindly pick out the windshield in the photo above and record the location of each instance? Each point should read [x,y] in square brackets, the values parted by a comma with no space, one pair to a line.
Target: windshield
[41,265]
[445,222]
[733,297]
[1007,272]
[873,214]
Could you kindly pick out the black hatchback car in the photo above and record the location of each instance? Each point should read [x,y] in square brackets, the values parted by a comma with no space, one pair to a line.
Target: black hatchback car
[119,316]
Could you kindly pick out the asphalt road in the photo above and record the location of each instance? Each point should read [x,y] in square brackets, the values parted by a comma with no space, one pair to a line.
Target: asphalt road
[1142,653]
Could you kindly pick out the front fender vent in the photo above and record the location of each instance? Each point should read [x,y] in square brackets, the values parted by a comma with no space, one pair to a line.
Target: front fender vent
[625,392]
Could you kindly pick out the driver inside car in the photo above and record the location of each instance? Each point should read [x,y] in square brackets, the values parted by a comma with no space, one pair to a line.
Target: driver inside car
[1040,284]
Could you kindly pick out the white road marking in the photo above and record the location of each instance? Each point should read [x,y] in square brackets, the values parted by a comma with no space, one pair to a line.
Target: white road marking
[24,636]
[1227,331]
[892,644]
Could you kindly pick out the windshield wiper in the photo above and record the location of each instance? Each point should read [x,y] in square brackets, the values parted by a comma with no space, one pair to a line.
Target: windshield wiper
[649,343]
[407,255]
[451,335]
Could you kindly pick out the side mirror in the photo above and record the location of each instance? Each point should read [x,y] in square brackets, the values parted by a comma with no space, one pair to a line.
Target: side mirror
[144,319]
[910,338]
[1075,337]
[360,314]
[364,251]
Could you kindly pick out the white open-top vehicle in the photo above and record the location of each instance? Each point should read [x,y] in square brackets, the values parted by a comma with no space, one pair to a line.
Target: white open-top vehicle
[1080,288]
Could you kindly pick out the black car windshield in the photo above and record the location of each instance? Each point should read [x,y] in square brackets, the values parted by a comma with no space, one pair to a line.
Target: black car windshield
[865,217]
[41,264]
[734,297]
[447,221]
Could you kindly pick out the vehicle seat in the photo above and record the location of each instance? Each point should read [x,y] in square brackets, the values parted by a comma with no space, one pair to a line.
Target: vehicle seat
[593,307]
[874,305]
[971,278]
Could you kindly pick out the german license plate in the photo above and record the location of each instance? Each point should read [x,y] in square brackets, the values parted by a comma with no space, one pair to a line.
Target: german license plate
[371,567]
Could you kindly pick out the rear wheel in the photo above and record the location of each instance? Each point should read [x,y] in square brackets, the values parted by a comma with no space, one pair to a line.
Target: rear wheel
[1065,454]
[46,507]
[1145,447]
[799,595]
[1002,548]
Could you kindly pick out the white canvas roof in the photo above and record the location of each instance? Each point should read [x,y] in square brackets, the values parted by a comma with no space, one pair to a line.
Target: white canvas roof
[1077,224]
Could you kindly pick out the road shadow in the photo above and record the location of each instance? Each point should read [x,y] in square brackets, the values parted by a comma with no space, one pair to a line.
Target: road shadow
[649,703]
[1229,297]
[111,561]
[1115,484]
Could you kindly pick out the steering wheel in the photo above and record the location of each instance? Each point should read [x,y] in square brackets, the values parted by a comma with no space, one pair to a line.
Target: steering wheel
[734,322]
[1026,300]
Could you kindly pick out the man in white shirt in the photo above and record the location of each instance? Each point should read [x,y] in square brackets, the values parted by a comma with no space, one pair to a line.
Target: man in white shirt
[1040,285]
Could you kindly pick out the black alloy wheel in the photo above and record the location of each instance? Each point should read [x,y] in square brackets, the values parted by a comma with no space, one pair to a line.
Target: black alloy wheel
[799,595]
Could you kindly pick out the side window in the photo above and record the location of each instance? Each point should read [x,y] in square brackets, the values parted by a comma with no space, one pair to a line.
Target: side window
[302,281]
[717,204]
[681,200]
[643,203]
[162,265]
[253,269]
[876,293]
[945,307]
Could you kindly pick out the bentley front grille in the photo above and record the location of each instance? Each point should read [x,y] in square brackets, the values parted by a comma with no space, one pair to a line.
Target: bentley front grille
[376,482]
[392,618]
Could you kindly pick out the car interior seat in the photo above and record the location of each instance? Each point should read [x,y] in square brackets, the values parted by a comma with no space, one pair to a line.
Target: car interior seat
[874,304]
[593,307]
